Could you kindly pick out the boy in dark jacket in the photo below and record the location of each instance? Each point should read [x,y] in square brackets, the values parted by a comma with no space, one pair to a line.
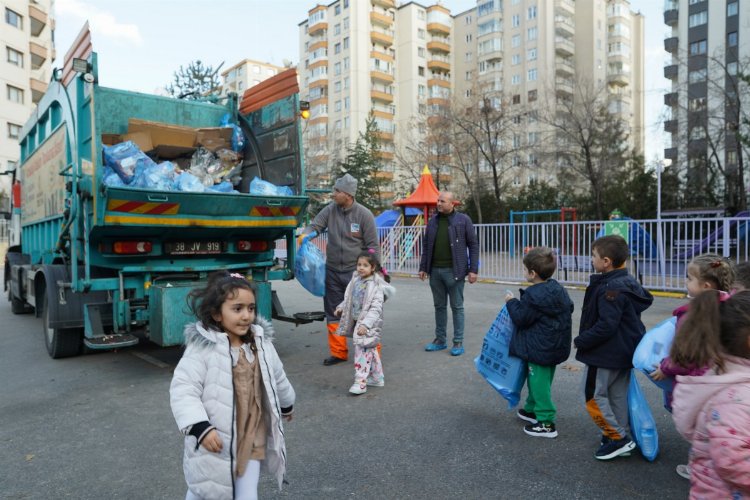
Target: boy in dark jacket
[543,333]
[610,330]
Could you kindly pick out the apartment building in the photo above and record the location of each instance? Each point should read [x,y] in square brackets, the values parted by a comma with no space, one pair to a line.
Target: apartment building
[709,46]
[533,53]
[26,38]
[245,74]
[409,62]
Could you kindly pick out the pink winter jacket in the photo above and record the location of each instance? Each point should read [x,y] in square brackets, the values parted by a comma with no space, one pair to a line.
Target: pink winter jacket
[713,413]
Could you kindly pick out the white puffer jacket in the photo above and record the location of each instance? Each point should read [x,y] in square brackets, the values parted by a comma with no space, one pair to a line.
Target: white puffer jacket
[202,390]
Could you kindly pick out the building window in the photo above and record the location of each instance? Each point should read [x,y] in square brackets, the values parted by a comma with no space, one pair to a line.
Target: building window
[532,12]
[698,19]
[531,75]
[467,20]
[515,41]
[420,70]
[346,102]
[420,51]
[15,57]
[13,18]
[515,59]
[420,34]
[698,75]
[515,21]
[337,9]
[531,34]
[732,68]
[421,90]
[697,104]
[346,23]
[346,63]
[732,39]
[532,95]
[515,80]
[14,131]
[346,43]
[16,95]
[421,14]
[337,69]
[346,82]
[697,48]
[531,55]
[336,29]
[338,125]
[337,48]
[346,4]
[346,122]
[467,93]
[468,76]
[337,86]
[337,106]
[468,56]
[732,9]
[468,37]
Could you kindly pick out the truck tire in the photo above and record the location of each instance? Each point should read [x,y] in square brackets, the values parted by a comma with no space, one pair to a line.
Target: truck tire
[17,306]
[61,342]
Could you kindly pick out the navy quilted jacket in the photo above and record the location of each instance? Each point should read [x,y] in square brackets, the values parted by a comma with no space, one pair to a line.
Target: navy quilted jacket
[544,325]
[464,245]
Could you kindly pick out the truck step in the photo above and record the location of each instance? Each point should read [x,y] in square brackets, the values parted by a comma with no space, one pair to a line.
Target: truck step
[114,341]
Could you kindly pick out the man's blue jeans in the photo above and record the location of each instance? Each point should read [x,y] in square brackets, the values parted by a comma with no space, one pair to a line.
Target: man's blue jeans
[445,287]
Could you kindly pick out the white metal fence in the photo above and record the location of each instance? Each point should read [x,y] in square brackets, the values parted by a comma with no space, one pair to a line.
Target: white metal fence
[660,251]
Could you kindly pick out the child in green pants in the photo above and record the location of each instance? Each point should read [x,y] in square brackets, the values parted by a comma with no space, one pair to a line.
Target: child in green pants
[543,320]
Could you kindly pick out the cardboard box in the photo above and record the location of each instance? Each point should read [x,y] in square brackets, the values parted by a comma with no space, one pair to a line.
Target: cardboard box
[111,139]
[214,138]
[141,139]
[163,134]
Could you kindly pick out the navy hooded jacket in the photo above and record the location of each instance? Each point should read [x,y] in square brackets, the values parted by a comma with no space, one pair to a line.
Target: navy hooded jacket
[543,320]
[611,325]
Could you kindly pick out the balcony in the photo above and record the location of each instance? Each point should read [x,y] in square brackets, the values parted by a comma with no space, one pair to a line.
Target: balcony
[440,64]
[564,27]
[381,19]
[384,174]
[319,101]
[670,126]
[321,44]
[386,4]
[564,67]
[670,154]
[445,178]
[382,56]
[318,62]
[671,44]
[619,77]
[384,136]
[317,28]
[318,81]
[671,99]
[38,88]
[439,46]
[386,112]
[671,71]
[39,54]
[384,37]
[322,118]
[438,101]
[439,28]
[564,85]
[671,14]
[439,82]
[380,95]
[564,47]
[38,20]
[566,7]
[383,75]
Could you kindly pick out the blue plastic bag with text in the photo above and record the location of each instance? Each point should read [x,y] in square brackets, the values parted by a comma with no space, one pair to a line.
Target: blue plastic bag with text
[310,268]
[653,347]
[642,423]
[505,373]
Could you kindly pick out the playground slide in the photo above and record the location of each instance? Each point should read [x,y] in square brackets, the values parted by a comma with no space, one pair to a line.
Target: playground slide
[706,243]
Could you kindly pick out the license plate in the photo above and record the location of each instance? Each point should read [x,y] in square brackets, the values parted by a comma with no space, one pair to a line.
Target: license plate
[193,247]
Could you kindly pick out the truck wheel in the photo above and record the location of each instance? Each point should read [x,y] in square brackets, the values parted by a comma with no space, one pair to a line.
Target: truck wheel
[61,342]
[17,306]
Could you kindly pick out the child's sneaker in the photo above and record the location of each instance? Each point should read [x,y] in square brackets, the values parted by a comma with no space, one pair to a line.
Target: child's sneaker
[358,388]
[614,448]
[375,383]
[541,430]
[528,416]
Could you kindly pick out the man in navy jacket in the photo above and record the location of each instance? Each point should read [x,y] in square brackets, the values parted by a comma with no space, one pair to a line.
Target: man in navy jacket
[450,253]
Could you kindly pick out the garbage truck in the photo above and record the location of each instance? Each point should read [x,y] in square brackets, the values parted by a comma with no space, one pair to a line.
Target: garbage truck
[106,266]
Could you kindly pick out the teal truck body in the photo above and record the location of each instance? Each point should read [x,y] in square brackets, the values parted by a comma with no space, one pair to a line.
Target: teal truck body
[105,267]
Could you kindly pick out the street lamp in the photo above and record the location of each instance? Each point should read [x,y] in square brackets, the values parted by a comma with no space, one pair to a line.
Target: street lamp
[660,165]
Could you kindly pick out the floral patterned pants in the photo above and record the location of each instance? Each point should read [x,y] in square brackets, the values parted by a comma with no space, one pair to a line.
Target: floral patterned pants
[368,370]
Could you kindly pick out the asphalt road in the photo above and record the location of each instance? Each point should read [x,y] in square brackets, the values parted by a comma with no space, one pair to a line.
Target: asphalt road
[99,426]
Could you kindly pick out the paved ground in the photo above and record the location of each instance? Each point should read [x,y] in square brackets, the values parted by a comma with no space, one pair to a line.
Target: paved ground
[99,426]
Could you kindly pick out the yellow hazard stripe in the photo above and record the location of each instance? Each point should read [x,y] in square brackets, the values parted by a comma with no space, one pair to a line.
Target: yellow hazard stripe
[168,221]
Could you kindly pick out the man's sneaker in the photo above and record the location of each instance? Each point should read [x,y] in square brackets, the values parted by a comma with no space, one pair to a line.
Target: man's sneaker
[528,416]
[435,345]
[683,471]
[458,349]
[358,388]
[541,430]
[375,383]
[614,448]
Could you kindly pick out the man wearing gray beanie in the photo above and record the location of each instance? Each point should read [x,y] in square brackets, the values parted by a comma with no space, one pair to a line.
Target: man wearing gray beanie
[351,230]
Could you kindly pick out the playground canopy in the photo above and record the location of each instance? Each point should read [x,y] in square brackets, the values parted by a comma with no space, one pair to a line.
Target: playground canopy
[389,217]
[424,197]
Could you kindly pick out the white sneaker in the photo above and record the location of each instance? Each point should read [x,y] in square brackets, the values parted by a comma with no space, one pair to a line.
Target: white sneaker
[683,471]
[358,388]
[376,383]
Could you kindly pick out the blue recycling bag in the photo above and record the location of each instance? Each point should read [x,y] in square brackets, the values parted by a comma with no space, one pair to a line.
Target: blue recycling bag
[310,268]
[642,423]
[505,373]
[653,347]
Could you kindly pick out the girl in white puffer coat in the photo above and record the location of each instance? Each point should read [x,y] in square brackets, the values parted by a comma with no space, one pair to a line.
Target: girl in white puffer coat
[229,394]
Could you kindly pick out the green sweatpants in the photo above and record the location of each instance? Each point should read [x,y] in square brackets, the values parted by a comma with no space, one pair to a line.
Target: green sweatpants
[539,400]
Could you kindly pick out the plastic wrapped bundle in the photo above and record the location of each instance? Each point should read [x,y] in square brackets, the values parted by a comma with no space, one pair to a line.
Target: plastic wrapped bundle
[653,347]
[222,187]
[190,183]
[310,268]
[160,177]
[126,160]
[238,136]
[505,373]
[201,164]
[259,187]
[111,179]
[642,423]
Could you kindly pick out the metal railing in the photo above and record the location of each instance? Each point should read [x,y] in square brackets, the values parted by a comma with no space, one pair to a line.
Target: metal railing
[660,251]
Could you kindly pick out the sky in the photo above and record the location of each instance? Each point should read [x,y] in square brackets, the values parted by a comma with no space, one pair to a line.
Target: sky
[141,43]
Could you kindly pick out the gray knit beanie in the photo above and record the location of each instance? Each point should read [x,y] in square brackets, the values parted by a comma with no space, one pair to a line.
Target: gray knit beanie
[346,184]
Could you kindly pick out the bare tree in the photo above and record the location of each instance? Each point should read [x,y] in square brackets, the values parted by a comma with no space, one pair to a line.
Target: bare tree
[195,81]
